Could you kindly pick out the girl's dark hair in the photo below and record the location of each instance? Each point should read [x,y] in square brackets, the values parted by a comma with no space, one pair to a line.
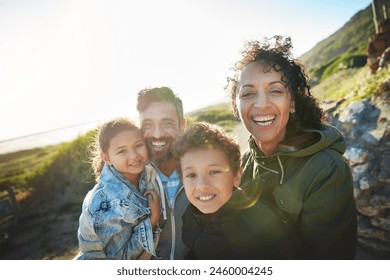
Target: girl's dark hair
[102,140]
[279,58]
[205,135]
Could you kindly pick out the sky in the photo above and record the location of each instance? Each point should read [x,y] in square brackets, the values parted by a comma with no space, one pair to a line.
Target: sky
[70,62]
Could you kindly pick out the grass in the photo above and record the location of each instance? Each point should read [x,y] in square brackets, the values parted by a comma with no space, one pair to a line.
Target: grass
[17,168]
[353,84]
[220,114]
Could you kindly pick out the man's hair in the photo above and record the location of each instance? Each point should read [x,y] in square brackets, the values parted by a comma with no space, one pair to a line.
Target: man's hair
[161,94]
[204,135]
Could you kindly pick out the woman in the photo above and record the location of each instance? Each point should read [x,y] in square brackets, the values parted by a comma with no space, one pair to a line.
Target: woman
[294,159]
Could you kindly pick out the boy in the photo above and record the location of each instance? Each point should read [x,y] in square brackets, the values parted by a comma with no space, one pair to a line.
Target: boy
[220,222]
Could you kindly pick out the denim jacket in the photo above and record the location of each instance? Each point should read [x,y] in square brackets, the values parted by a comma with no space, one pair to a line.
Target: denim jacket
[115,219]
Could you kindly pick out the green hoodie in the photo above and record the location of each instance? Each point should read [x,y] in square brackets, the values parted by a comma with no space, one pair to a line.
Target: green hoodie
[309,184]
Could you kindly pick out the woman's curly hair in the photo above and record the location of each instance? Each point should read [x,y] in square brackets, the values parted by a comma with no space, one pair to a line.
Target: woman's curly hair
[278,57]
[204,135]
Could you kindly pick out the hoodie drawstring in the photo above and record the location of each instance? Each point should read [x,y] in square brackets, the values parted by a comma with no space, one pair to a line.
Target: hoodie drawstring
[273,171]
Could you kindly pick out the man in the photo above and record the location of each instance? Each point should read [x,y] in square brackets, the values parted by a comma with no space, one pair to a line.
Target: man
[161,120]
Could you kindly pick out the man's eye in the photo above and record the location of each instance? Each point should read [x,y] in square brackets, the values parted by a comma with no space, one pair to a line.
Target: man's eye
[168,125]
[146,126]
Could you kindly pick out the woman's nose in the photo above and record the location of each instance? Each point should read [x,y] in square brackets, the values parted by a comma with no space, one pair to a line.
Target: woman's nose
[261,100]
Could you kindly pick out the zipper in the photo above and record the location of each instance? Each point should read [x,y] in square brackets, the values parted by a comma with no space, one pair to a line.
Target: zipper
[173,223]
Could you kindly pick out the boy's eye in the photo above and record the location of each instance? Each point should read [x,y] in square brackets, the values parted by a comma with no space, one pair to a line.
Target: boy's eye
[190,175]
[213,172]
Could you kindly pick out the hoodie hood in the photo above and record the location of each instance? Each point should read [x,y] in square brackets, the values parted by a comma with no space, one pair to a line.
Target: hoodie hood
[307,143]
[301,145]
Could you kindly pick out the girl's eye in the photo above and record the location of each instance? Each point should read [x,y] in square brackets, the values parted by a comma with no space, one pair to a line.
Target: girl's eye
[139,145]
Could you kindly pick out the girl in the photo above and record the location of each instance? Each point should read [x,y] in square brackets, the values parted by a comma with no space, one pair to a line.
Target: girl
[120,214]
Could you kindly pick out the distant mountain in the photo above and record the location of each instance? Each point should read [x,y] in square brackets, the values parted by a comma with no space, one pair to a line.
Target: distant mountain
[352,38]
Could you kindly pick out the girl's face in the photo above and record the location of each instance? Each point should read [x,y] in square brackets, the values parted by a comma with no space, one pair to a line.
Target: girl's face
[128,154]
[208,179]
[264,103]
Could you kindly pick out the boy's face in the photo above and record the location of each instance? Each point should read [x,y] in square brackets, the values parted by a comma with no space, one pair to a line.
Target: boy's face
[208,179]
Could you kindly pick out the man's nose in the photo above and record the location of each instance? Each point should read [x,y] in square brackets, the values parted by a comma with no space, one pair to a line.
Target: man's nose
[157,132]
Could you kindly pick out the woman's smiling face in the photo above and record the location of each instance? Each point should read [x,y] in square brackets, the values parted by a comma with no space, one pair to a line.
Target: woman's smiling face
[264,103]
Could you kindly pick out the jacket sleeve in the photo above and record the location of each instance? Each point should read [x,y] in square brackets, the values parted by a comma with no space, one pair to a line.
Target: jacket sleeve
[106,233]
[328,221]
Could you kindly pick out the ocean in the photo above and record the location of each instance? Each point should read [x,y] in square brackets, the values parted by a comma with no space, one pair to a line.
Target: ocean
[46,138]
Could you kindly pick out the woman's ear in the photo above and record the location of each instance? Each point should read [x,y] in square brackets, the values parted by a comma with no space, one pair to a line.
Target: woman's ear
[292,108]
[237,179]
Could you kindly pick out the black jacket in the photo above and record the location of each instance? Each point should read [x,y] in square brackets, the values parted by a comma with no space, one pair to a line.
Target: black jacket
[238,231]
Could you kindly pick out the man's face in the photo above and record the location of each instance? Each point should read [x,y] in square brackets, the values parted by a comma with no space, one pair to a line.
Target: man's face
[160,126]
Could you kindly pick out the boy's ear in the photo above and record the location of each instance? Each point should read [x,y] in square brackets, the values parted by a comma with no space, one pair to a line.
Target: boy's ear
[106,158]
[237,179]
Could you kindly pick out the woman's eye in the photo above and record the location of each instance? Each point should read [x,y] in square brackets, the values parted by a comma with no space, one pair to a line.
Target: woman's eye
[246,94]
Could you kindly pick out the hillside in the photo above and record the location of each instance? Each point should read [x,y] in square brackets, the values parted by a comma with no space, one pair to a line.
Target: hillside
[352,38]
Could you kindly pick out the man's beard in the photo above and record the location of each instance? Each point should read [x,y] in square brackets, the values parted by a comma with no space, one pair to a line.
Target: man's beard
[159,157]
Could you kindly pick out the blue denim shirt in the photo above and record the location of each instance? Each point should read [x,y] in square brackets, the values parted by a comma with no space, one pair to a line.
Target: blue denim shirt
[115,219]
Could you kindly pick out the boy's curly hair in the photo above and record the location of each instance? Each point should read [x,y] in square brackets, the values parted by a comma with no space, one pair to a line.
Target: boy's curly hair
[277,56]
[204,135]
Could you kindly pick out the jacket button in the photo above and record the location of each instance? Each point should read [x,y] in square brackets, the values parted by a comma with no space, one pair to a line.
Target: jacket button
[281,201]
